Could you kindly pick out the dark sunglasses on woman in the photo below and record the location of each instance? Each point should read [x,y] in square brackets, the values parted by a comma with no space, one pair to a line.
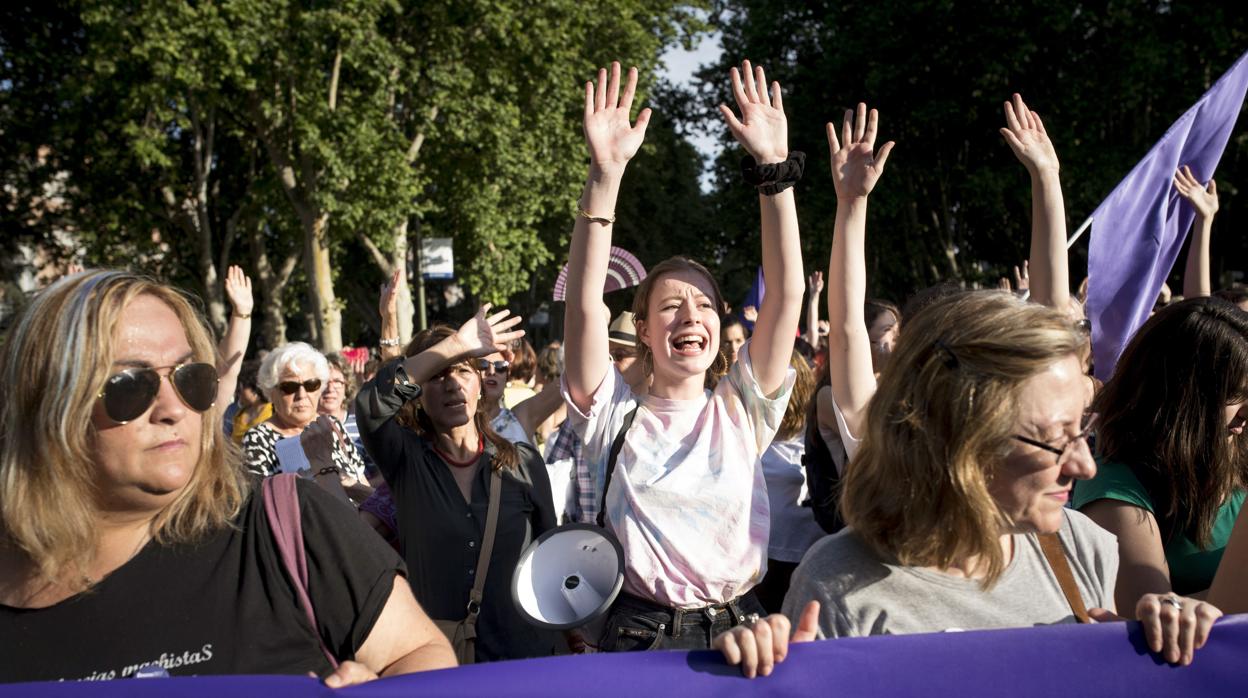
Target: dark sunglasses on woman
[128,394]
[311,385]
[500,366]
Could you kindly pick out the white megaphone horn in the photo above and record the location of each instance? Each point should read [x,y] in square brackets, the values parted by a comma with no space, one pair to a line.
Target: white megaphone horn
[568,577]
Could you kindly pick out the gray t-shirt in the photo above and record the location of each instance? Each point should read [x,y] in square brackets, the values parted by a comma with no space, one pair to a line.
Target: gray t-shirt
[861,595]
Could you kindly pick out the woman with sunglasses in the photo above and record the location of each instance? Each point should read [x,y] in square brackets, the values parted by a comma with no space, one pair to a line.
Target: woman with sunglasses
[955,499]
[130,536]
[293,377]
[1172,453]
[423,419]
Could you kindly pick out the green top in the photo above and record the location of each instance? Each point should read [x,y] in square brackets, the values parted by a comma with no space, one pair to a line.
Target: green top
[1191,567]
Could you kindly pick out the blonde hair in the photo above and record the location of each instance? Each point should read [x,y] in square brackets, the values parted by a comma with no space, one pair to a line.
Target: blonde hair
[940,423]
[58,356]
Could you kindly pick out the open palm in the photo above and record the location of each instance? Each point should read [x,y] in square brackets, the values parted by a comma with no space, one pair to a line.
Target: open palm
[762,129]
[856,166]
[1026,136]
[613,140]
[485,334]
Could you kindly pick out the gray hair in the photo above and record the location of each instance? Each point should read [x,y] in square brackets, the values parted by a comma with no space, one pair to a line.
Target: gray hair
[287,355]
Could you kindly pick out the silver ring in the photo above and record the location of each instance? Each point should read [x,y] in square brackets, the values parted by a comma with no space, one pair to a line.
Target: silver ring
[1173,601]
[749,620]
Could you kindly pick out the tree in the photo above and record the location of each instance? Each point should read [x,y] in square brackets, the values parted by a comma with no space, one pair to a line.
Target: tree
[1108,79]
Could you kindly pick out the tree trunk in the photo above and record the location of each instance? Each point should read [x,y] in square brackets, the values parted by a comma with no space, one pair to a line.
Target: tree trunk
[398,260]
[327,318]
[269,286]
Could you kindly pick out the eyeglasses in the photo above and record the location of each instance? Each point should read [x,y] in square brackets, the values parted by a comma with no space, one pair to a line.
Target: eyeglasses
[499,366]
[128,394]
[311,385]
[1087,432]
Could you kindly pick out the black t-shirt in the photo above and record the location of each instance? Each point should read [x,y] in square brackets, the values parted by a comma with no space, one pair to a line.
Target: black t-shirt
[222,606]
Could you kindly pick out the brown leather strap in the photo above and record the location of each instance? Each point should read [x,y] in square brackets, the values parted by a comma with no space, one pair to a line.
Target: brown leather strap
[1055,553]
[487,548]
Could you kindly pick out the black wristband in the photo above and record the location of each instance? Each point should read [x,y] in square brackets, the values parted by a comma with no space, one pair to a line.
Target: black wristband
[773,178]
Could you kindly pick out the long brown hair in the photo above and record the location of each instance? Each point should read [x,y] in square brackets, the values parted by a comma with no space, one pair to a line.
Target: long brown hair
[940,424]
[506,455]
[1162,412]
[800,399]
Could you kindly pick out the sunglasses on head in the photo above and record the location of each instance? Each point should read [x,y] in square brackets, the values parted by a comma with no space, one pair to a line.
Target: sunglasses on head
[499,366]
[311,385]
[128,394]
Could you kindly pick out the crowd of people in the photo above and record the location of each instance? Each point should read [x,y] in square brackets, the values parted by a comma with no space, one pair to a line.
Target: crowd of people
[771,476]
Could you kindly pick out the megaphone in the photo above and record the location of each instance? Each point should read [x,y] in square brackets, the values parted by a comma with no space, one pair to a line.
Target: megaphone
[568,577]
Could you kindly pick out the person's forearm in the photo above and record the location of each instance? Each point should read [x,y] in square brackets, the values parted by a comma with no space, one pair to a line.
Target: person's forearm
[390,331]
[850,370]
[432,361]
[1196,279]
[812,318]
[585,324]
[434,655]
[534,410]
[232,349]
[781,308]
[1050,275]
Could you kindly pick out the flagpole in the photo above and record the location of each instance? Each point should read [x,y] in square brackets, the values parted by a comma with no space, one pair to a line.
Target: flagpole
[1074,238]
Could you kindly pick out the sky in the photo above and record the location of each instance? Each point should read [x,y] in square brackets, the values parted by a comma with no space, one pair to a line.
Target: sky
[679,66]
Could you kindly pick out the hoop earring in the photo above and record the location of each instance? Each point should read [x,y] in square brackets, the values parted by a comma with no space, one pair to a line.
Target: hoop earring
[720,366]
[647,361]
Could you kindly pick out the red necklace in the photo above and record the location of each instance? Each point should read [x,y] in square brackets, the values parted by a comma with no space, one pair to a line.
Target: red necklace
[462,464]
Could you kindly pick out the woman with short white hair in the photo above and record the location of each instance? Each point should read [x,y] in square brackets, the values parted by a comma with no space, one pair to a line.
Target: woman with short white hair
[293,377]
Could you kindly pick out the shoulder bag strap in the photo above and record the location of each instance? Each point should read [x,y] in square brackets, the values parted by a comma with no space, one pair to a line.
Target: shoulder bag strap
[614,454]
[1055,553]
[487,549]
[281,508]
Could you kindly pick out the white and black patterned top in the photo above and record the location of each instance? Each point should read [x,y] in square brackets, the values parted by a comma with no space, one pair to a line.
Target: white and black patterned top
[260,452]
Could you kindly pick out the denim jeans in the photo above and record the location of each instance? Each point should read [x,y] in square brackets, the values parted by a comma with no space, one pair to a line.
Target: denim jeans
[635,624]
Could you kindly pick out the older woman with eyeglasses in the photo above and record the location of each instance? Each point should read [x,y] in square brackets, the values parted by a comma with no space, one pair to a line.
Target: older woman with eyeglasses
[294,377]
[129,536]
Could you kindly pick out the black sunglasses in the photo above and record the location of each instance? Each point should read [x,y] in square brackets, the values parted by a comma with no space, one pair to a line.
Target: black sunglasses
[311,385]
[128,394]
[500,366]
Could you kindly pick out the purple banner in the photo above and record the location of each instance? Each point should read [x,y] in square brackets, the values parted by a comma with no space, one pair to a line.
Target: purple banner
[1067,660]
[1138,230]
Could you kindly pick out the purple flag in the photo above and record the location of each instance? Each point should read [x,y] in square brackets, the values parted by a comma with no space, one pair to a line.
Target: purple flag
[1139,229]
[754,297]
[1060,660]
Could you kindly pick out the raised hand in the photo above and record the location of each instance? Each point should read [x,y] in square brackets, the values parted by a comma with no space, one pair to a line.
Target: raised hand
[856,167]
[612,139]
[238,290]
[1025,134]
[815,284]
[389,301]
[749,313]
[763,129]
[1204,199]
[1022,277]
[485,334]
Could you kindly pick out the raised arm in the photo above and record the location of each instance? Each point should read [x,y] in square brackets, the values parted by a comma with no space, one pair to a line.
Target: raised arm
[814,290]
[481,336]
[388,306]
[856,168]
[1025,134]
[1204,199]
[234,344]
[613,140]
[532,411]
[763,131]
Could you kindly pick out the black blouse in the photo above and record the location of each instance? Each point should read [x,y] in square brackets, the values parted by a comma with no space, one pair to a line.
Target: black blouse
[441,534]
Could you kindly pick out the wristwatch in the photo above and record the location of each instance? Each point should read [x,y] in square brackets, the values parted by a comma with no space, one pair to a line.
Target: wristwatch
[391,342]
